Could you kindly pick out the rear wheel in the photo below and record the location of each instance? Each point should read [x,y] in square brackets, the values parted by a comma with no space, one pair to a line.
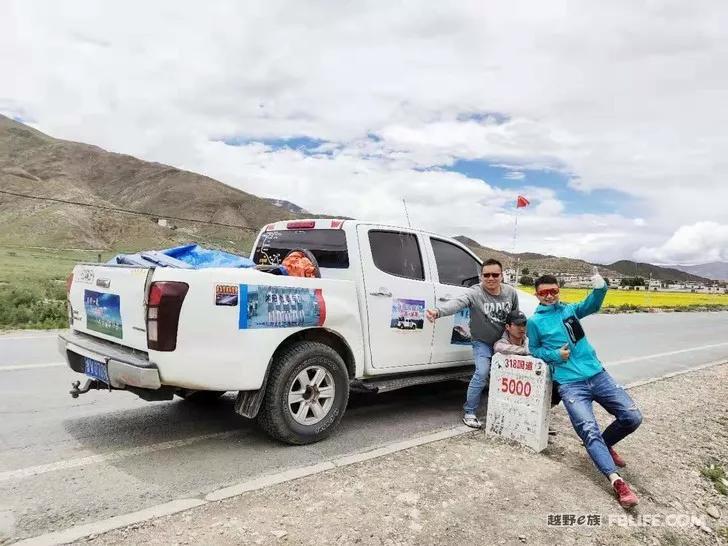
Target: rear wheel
[306,394]
[199,397]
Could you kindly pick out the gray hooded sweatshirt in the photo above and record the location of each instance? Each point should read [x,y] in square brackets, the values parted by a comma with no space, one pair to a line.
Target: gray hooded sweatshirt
[487,312]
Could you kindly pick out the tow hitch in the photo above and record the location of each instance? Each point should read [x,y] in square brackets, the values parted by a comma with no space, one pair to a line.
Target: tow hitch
[90,384]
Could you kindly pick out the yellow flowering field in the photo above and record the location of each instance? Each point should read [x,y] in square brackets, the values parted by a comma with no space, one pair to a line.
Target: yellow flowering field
[639,298]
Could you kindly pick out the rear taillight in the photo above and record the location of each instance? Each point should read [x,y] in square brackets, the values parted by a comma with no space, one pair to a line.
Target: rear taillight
[163,308]
[301,224]
[69,308]
[69,282]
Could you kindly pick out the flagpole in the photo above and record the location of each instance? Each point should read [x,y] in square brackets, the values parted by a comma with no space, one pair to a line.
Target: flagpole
[515,236]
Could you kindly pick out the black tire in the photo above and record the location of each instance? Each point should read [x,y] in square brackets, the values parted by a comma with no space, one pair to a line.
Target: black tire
[275,415]
[199,397]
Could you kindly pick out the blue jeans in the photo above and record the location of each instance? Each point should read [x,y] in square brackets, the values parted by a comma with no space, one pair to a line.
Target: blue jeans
[602,389]
[482,353]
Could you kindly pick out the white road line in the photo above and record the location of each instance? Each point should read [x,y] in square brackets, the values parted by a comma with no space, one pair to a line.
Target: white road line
[114,456]
[30,366]
[668,353]
[676,374]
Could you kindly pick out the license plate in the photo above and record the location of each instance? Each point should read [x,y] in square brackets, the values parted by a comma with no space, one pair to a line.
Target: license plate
[96,369]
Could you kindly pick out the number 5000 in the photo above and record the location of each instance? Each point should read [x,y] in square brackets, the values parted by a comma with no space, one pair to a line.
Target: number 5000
[511,386]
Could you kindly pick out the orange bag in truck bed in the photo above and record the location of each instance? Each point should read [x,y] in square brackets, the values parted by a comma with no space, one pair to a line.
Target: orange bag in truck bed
[299,265]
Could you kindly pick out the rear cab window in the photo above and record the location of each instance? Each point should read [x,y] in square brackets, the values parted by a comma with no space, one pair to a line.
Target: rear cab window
[327,245]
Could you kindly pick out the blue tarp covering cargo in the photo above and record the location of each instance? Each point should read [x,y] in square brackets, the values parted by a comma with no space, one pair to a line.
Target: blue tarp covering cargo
[184,257]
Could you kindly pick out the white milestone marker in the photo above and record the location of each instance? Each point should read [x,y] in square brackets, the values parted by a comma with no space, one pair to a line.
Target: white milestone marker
[519,400]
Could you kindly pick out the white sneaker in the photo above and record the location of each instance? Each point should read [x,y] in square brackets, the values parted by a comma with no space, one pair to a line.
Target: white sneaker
[471,420]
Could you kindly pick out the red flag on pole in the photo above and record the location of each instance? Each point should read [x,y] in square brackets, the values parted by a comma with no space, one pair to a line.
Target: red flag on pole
[522,202]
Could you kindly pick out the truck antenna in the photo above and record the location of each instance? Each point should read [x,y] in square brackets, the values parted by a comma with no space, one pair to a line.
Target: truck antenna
[406,213]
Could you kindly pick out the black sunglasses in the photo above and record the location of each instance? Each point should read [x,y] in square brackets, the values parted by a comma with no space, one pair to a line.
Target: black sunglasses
[491,275]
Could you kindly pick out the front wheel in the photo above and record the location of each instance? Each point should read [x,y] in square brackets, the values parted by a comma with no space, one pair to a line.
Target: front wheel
[306,394]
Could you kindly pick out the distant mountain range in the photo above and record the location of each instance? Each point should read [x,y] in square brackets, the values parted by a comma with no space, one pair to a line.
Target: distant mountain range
[33,163]
[712,270]
[287,205]
[543,263]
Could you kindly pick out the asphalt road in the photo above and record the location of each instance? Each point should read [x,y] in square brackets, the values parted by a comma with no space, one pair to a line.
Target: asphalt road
[66,461]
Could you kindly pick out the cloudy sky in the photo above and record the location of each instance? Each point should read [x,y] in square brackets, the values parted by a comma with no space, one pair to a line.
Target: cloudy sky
[610,117]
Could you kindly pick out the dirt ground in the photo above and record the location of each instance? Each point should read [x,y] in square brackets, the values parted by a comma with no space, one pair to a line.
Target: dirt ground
[473,489]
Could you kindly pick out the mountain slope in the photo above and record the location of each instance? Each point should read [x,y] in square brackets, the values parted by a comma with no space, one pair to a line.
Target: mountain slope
[713,270]
[637,269]
[543,263]
[536,263]
[36,164]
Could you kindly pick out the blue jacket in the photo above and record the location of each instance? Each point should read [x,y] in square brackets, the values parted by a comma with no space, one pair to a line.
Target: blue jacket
[553,326]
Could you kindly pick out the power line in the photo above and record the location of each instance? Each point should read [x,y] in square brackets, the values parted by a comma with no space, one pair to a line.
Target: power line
[127,211]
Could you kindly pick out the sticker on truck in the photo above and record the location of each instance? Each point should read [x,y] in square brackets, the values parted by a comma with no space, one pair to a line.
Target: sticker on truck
[226,294]
[103,313]
[263,306]
[407,314]
[461,328]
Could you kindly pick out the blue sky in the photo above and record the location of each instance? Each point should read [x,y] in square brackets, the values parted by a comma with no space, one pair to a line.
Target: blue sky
[304,144]
[575,201]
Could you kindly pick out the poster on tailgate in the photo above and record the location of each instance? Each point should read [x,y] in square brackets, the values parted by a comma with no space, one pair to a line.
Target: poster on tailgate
[103,313]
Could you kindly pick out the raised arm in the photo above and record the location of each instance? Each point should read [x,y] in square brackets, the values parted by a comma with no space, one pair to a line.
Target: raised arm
[454,305]
[591,304]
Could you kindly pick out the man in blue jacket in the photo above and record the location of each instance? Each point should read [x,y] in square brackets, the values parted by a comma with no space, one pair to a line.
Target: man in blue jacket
[556,337]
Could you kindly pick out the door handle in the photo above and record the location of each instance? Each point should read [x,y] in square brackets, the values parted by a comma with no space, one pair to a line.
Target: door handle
[446,297]
[381,292]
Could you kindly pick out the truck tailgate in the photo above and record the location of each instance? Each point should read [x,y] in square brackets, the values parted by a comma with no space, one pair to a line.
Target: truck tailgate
[108,301]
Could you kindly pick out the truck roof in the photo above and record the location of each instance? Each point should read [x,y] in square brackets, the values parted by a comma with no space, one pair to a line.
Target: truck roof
[340,223]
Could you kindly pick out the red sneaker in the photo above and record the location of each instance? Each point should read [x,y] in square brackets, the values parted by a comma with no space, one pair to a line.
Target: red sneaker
[625,496]
[617,458]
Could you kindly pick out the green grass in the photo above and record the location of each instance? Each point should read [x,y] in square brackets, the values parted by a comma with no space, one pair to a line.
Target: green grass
[33,283]
[33,286]
[716,474]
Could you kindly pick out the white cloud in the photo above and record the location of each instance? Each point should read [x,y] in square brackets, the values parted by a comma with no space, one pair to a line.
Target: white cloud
[615,95]
[699,243]
[514,175]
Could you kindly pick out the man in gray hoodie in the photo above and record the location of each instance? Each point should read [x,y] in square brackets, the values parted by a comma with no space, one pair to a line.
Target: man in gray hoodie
[490,302]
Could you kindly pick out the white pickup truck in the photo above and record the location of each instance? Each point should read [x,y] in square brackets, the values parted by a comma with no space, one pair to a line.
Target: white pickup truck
[293,347]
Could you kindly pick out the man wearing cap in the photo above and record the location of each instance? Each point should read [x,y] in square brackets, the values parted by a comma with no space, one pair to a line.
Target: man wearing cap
[514,340]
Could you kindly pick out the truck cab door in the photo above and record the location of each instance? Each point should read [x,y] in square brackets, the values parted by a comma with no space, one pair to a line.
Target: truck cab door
[455,270]
[397,291]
